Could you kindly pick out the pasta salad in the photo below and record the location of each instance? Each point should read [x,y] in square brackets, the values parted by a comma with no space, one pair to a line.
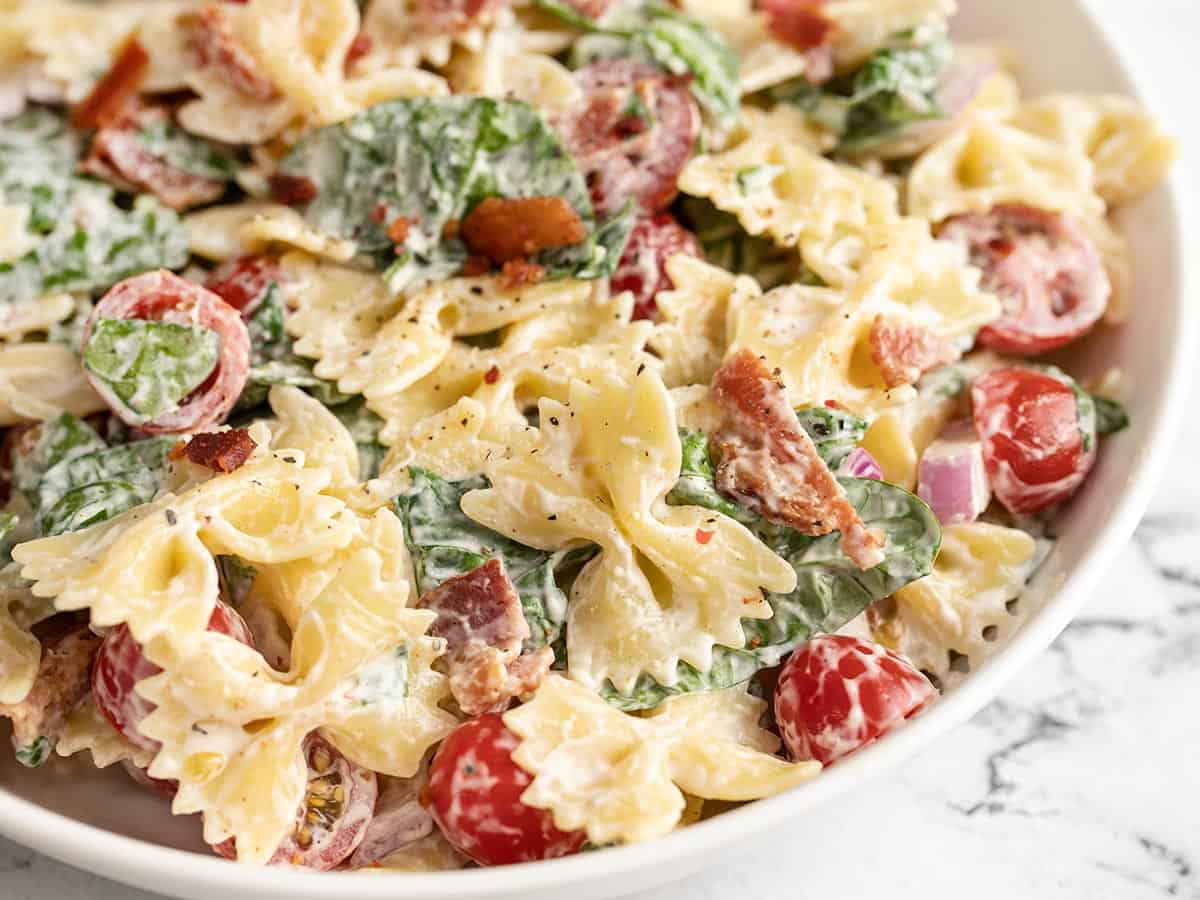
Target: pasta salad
[470,432]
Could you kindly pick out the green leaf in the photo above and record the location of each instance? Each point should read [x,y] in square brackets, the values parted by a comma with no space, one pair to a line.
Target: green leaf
[152,367]
[431,161]
[63,438]
[364,427]
[830,591]
[1111,416]
[444,543]
[236,576]
[181,150]
[895,87]
[8,537]
[92,487]
[34,754]
[39,155]
[668,37]
[834,432]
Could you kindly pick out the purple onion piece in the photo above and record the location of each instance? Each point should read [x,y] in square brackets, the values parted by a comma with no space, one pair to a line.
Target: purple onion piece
[860,464]
[952,478]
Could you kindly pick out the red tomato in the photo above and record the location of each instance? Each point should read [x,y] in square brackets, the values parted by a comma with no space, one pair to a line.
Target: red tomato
[1036,451]
[242,283]
[164,787]
[838,693]
[633,134]
[475,789]
[1045,270]
[163,297]
[339,801]
[800,24]
[120,664]
[642,269]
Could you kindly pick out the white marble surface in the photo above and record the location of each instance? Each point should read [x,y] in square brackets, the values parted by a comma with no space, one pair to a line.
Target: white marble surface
[1080,781]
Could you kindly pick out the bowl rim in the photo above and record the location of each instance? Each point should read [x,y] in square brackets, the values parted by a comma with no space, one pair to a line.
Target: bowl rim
[155,867]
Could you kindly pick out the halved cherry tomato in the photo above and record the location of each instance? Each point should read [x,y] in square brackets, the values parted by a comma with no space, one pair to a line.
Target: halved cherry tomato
[1046,271]
[475,789]
[633,134]
[339,800]
[839,693]
[242,283]
[1036,450]
[164,297]
[642,269]
[120,664]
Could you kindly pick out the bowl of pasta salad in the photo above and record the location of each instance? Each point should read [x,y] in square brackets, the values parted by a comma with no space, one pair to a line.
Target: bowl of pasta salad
[497,446]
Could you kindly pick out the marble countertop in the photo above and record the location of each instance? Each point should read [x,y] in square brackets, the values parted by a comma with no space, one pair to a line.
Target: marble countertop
[1079,781]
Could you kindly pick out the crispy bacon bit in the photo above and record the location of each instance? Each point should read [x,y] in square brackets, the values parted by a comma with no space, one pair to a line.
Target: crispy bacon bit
[799,23]
[379,213]
[221,451]
[118,156]
[508,229]
[359,47]
[112,95]
[492,375]
[703,537]
[212,40]
[904,351]
[63,679]
[291,190]
[769,463]
[476,266]
[397,232]
[479,616]
[450,230]
[520,272]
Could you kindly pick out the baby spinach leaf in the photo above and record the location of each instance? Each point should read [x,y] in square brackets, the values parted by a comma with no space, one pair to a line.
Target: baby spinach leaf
[151,366]
[35,753]
[181,150]
[830,591]
[63,438]
[668,37]
[896,86]
[236,577]
[364,427]
[38,158]
[444,543]
[431,161]
[93,487]
[834,432]
[1111,416]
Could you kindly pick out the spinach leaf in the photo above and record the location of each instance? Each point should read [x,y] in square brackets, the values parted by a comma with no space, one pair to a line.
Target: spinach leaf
[92,487]
[63,438]
[181,150]
[236,577]
[444,543]
[96,245]
[1111,416]
[364,427]
[834,432]
[896,86]
[8,525]
[830,591]
[38,158]
[151,367]
[431,161]
[668,37]
[34,754]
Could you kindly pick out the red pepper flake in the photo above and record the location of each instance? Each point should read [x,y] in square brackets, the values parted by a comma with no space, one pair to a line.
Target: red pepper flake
[291,190]
[398,231]
[703,537]
[476,266]
[520,272]
[221,451]
[359,47]
[108,100]
[492,375]
[832,404]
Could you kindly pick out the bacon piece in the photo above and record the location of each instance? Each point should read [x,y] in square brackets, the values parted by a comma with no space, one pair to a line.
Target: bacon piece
[111,96]
[221,451]
[799,23]
[359,47]
[479,616]
[508,229]
[63,679]
[397,232]
[291,190]
[400,820]
[770,464]
[519,272]
[120,158]
[449,16]
[904,351]
[212,40]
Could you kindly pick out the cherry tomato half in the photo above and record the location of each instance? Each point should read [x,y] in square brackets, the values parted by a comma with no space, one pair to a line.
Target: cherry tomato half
[1046,271]
[242,283]
[838,693]
[475,789]
[642,270]
[120,664]
[1036,450]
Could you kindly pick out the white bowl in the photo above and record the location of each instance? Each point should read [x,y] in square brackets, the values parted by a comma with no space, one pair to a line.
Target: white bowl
[102,822]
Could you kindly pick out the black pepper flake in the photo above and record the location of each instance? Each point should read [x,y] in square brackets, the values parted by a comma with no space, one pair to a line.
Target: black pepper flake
[171,517]
[641,368]
[553,517]
[554,420]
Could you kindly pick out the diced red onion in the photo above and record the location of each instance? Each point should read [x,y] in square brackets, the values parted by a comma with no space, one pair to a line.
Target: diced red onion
[860,464]
[952,478]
